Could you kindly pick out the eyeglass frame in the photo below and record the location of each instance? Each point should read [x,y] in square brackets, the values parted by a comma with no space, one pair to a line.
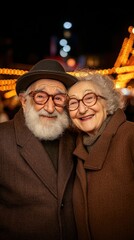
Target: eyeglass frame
[33,94]
[82,100]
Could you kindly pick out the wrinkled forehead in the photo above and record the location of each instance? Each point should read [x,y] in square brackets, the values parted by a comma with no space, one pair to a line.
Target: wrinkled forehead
[82,87]
[48,85]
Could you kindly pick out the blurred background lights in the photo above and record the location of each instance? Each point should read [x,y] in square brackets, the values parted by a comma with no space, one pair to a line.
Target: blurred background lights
[67,48]
[67,25]
[10,94]
[63,42]
[93,61]
[63,53]
[71,62]
[126,91]
[67,34]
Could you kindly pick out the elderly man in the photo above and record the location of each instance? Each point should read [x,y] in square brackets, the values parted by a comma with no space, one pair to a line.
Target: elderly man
[36,164]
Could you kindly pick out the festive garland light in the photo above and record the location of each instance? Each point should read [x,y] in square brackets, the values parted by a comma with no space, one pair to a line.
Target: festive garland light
[123,67]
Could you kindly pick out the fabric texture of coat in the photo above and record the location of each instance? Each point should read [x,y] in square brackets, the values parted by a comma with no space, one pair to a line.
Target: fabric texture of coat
[35,201]
[104,186]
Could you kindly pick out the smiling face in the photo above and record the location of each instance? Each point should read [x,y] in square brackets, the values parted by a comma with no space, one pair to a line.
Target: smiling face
[44,110]
[87,119]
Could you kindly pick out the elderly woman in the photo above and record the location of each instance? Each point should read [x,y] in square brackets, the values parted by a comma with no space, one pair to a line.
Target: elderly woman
[104,185]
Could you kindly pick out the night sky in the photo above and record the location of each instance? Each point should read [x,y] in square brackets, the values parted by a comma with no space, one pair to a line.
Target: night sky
[27,31]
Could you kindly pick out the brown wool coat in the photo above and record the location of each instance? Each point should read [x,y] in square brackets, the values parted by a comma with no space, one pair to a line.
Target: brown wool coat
[35,202]
[104,186]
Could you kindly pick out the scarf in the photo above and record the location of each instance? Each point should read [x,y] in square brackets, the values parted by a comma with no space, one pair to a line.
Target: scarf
[90,139]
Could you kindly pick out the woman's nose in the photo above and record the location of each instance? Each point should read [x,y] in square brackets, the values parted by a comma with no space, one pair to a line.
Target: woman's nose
[82,107]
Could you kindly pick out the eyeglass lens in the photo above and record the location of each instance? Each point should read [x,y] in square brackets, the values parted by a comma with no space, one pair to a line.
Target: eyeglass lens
[89,100]
[42,97]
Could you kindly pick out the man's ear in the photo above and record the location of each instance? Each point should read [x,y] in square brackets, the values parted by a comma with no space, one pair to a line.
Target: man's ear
[22,99]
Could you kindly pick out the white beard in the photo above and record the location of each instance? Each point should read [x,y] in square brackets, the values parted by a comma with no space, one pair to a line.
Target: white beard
[43,128]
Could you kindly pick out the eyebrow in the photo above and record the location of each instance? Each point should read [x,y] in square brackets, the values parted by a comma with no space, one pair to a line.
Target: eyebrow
[85,92]
[58,90]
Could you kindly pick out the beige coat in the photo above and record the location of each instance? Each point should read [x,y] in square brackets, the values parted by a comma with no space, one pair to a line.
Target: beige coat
[104,185]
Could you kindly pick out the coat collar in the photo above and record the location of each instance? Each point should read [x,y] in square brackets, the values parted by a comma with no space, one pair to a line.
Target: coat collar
[37,158]
[94,160]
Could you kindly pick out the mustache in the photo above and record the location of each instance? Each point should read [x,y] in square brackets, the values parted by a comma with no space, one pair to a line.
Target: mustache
[45,113]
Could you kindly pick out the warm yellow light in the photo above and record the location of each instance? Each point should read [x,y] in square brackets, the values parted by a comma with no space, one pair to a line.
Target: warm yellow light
[10,94]
[71,62]
[8,71]
[123,68]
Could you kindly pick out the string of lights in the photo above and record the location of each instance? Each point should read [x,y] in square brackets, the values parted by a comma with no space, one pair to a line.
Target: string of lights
[123,68]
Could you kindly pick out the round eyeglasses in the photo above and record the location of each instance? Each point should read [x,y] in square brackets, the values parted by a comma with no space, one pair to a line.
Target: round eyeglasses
[88,100]
[41,97]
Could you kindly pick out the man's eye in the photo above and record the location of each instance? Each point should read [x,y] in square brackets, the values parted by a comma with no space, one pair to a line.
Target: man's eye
[39,96]
[58,98]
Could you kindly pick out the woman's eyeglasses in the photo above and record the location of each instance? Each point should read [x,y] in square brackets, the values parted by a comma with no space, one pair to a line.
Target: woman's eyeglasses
[88,100]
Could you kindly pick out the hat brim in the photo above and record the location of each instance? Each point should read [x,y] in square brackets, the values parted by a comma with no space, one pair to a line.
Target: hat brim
[27,79]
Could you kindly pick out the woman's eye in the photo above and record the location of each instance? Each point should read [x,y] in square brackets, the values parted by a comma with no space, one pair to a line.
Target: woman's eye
[72,103]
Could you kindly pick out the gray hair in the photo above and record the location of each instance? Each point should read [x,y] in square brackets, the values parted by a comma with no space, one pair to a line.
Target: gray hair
[105,84]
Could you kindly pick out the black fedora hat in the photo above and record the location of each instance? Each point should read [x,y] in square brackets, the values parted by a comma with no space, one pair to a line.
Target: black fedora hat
[45,69]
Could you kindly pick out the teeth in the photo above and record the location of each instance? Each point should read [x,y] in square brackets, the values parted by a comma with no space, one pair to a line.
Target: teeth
[87,117]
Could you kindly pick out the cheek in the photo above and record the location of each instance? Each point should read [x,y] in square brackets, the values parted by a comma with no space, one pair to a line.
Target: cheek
[72,114]
[100,108]
[77,123]
[103,111]
[37,107]
[101,114]
[74,119]
[59,109]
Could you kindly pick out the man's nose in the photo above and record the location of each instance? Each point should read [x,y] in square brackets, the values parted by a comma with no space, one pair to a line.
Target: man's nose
[49,105]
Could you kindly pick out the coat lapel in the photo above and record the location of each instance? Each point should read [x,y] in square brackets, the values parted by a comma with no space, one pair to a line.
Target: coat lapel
[65,167]
[93,160]
[35,155]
